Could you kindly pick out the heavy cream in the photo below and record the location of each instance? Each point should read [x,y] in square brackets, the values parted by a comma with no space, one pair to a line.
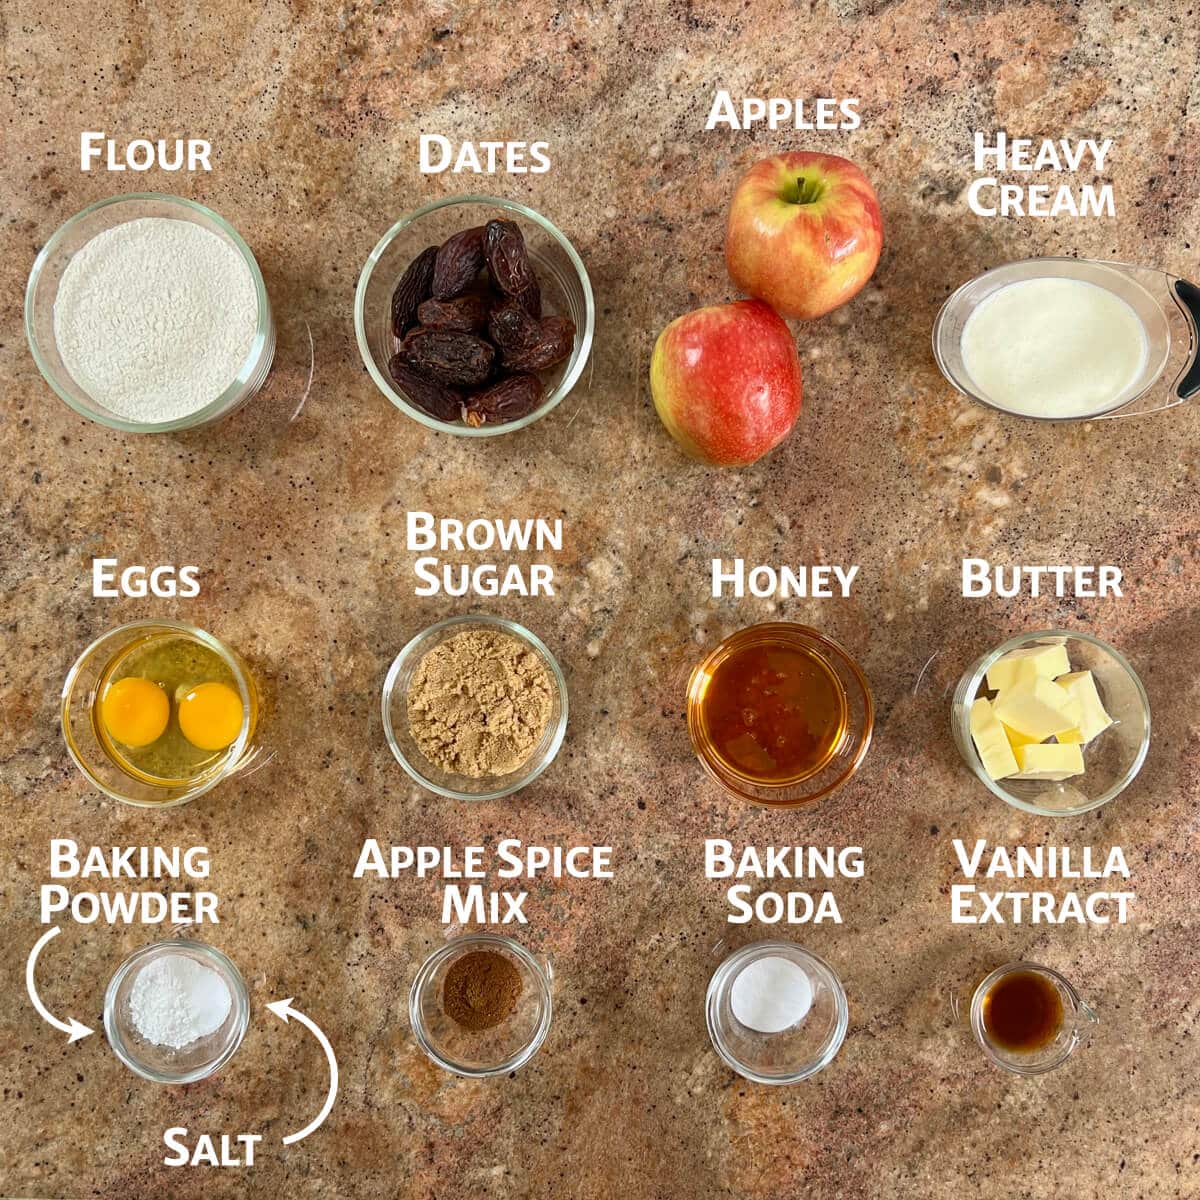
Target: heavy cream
[1054,348]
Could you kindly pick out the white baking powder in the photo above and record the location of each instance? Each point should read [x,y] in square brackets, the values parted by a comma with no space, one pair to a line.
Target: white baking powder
[175,999]
[154,318]
[771,994]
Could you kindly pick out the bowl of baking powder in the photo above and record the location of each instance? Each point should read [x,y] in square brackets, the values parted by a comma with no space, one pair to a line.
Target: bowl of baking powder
[176,1010]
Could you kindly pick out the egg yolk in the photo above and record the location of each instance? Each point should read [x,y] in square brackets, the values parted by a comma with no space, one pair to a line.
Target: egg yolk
[210,715]
[135,711]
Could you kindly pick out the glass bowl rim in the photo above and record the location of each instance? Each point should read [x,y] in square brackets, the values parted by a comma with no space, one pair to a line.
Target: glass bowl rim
[228,969]
[976,1016]
[576,363]
[724,975]
[519,631]
[976,677]
[236,749]
[262,332]
[735,784]
[947,374]
[541,972]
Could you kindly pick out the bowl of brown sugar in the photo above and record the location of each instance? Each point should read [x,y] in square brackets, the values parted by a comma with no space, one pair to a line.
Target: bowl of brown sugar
[480,1005]
[475,707]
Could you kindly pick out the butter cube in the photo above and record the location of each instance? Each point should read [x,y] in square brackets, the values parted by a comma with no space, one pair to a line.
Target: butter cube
[1049,761]
[1048,660]
[1038,708]
[1016,739]
[1081,685]
[1072,737]
[991,741]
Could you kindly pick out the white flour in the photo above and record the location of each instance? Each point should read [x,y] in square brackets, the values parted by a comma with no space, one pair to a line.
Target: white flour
[175,1000]
[154,318]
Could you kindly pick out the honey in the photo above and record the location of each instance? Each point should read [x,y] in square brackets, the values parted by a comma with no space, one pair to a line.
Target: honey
[774,712]
[1022,1012]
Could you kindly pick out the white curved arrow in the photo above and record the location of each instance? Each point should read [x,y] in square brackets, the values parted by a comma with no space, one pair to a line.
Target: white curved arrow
[77,1029]
[283,1009]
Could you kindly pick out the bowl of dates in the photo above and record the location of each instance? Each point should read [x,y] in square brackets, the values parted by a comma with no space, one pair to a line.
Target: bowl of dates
[474,316]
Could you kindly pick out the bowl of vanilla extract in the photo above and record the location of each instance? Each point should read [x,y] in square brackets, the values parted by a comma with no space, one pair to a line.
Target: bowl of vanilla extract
[1028,1019]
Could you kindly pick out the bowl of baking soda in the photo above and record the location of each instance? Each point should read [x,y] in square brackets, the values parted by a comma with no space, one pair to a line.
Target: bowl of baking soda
[148,313]
[176,1011]
[776,1012]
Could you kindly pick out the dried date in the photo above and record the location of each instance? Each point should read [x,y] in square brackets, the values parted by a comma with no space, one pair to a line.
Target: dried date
[458,261]
[413,287]
[556,339]
[511,328]
[507,258]
[438,400]
[531,300]
[467,313]
[471,346]
[511,398]
[459,359]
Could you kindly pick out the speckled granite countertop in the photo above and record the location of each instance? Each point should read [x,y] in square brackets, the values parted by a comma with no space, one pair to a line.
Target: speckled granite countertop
[314,111]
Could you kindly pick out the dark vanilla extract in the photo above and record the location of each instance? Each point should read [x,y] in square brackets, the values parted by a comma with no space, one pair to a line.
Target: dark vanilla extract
[1022,1012]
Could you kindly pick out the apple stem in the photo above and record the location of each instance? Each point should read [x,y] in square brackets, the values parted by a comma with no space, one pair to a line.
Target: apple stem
[807,190]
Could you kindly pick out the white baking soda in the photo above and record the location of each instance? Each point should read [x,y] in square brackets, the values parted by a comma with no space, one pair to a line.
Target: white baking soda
[1054,348]
[155,317]
[771,994]
[175,999]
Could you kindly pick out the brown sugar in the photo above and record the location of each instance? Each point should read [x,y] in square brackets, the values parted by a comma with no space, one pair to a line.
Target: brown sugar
[479,703]
[481,990]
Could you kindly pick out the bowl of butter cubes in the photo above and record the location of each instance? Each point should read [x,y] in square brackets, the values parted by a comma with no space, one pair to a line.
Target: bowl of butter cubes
[1054,723]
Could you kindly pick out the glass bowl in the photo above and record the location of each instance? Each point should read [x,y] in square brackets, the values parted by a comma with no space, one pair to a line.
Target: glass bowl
[1077,1022]
[198,1059]
[1112,760]
[408,754]
[847,756]
[71,237]
[79,696]
[795,1053]
[479,1054]
[566,290]
[1117,278]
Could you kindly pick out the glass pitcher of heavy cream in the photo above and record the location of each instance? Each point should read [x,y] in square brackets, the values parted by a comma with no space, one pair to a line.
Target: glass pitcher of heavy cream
[1069,339]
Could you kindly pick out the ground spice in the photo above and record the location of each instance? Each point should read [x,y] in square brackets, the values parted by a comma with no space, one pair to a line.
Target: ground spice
[481,990]
[479,703]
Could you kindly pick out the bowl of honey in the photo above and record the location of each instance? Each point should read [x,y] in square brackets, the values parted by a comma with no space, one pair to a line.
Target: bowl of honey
[780,714]
[155,713]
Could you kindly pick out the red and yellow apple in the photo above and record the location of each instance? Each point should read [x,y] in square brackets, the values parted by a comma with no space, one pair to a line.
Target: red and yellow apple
[726,382]
[804,232]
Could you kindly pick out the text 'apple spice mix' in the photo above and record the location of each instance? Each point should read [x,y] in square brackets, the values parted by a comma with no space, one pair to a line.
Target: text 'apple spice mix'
[479,703]
[481,990]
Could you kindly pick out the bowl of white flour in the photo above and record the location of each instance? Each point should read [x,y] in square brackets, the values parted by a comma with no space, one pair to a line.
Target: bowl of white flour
[176,1010]
[148,313]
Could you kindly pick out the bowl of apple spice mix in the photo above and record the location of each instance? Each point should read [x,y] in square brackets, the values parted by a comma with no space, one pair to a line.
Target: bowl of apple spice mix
[481,1005]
